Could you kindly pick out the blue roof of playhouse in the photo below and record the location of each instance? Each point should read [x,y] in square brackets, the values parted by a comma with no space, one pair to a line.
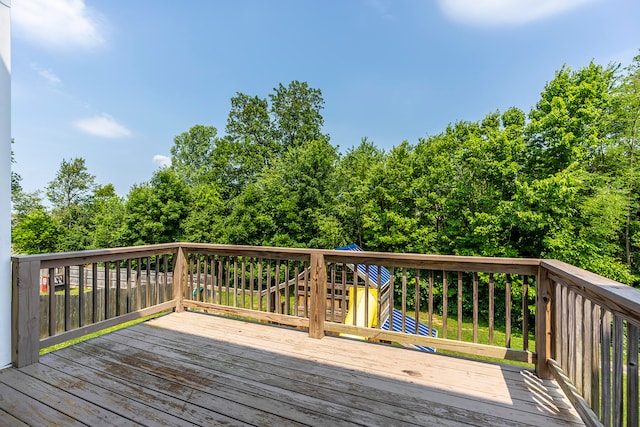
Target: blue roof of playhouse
[410,328]
[385,275]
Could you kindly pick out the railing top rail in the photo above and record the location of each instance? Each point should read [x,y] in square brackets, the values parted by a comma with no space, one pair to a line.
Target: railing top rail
[438,262]
[443,262]
[60,259]
[435,262]
[615,296]
[270,252]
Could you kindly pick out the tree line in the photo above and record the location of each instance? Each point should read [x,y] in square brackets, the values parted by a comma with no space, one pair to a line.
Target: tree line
[559,182]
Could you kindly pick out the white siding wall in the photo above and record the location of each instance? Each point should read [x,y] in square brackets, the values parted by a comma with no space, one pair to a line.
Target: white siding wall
[5,183]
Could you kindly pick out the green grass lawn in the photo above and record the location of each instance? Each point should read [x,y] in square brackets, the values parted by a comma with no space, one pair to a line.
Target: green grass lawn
[102,332]
[499,336]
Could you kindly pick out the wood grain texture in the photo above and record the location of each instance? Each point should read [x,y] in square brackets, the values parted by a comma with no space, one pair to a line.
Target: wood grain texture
[195,369]
[25,311]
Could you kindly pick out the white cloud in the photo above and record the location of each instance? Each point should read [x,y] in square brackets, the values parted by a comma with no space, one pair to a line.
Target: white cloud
[48,75]
[161,160]
[104,126]
[505,12]
[57,23]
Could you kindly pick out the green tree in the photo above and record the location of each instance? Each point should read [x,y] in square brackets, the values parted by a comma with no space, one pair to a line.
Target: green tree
[108,219]
[249,130]
[573,200]
[296,114]
[72,184]
[192,153]
[36,232]
[355,173]
[70,195]
[156,210]
[628,95]
[205,219]
[573,121]
[291,203]
[389,219]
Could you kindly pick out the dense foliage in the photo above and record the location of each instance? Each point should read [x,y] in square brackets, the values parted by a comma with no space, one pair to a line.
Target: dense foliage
[559,182]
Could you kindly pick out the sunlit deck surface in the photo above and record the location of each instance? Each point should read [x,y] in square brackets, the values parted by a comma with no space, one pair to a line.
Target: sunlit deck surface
[195,369]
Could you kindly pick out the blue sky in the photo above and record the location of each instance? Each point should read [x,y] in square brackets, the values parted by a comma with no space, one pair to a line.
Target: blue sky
[114,81]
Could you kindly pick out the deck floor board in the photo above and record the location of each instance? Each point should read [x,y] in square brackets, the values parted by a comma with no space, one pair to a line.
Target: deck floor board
[195,369]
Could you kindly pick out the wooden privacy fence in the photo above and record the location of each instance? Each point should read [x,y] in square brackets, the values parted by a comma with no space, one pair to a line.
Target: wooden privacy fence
[584,328]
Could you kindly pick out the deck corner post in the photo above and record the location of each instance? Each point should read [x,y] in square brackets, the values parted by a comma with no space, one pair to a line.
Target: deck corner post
[543,324]
[180,278]
[318,295]
[25,312]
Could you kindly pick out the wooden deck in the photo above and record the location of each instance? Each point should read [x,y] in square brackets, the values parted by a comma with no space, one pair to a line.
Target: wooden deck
[195,369]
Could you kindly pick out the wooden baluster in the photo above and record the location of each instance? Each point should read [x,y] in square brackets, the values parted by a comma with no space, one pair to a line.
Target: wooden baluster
[227,278]
[459,305]
[416,299]
[243,281]
[366,295]
[219,282]
[491,307]
[507,310]
[128,305]
[260,307]
[587,355]
[525,313]
[268,288]
[296,287]
[404,299]
[445,298]
[605,368]
[156,278]
[618,357]
[431,282]
[595,360]
[354,295]
[579,344]
[544,329]
[148,277]
[94,292]
[333,292]
[632,375]
[165,260]
[378,325]
[67,300]
[558,332]
[252,281]
[287,291]
[475,307]
[571,329]
[118,284]
[81,301]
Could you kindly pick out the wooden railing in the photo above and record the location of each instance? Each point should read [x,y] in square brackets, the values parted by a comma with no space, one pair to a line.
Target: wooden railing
[593,325]
[584,328]
[62,296]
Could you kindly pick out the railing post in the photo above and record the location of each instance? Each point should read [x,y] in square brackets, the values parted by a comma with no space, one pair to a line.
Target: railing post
[180,278]
[543,324]
[25,312]
[318,296]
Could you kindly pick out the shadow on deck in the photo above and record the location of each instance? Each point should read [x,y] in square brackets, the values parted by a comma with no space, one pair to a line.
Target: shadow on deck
[195,369]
